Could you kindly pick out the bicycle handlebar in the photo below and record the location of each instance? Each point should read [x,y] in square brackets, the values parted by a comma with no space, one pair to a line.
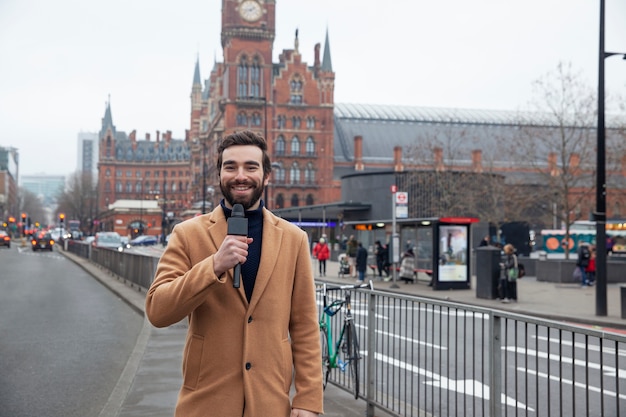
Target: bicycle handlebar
[326,287]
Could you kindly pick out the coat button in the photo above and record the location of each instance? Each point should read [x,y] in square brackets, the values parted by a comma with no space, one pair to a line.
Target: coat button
[250,319]
[248,366]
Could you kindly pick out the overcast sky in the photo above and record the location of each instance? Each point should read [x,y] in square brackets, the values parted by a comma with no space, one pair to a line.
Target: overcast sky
[60,60]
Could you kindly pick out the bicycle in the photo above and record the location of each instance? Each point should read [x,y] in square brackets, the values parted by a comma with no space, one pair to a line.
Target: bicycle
[348,341]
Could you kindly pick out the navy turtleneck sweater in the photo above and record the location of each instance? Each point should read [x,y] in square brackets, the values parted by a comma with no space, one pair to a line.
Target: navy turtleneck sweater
[250,268]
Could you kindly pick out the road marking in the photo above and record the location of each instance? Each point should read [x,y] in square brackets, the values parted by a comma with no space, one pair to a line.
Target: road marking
[569,382]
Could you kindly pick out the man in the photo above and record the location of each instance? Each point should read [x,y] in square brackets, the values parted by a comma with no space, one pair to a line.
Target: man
[244,345]
[582,261]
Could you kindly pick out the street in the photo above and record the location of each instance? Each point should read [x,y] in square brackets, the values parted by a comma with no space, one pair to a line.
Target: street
[65,337]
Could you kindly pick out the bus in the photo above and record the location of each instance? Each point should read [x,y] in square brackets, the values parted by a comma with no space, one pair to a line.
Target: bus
[584,231]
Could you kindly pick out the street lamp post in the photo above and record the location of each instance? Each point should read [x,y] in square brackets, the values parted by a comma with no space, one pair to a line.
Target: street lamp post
[164,215]
[600,214]
[204,177]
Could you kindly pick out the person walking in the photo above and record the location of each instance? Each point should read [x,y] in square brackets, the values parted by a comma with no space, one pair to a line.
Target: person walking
[321,253]
[584,254]
[361,262]
[245,345]
[591,267]
[508,282]
[379,253]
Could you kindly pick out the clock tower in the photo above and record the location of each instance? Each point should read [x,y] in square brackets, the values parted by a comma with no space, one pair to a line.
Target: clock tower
[288,102]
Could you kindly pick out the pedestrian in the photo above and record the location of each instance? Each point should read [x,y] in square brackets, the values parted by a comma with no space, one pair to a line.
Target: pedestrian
[321,253]
[485,241]
[379,253]
[246,344]
[508,280]
[351,248]
[584,254]
[361,262]
[407,266]
[591,267]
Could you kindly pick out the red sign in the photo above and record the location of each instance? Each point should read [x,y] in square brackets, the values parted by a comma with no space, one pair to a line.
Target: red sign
[394,189]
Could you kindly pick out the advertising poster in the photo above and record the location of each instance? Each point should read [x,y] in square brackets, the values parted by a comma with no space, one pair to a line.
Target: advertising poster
[453,244]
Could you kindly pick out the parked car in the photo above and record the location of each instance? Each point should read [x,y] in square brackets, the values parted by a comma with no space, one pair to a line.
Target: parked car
[110,240]
[42,241]
[144,240]
[5,239]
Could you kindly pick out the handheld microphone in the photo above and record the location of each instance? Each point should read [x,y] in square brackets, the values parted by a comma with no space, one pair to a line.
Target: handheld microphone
[237,225]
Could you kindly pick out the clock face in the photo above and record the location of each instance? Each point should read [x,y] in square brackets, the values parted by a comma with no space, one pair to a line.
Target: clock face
[250,10]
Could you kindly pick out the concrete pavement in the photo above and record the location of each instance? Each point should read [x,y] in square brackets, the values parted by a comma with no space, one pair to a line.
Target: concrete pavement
[150,383]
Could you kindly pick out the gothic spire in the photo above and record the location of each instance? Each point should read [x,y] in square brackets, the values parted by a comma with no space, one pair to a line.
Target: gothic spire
[327,64]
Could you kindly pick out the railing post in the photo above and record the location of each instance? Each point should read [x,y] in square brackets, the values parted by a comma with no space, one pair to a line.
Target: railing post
[371,355]
[495,368]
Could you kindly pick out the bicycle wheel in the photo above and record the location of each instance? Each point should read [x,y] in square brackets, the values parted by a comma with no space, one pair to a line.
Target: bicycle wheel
[325,356]
[353,357]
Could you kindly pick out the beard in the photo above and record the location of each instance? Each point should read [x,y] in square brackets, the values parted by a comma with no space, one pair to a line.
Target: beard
[246,202]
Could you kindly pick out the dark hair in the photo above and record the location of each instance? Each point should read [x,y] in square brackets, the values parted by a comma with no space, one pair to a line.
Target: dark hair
[245,137]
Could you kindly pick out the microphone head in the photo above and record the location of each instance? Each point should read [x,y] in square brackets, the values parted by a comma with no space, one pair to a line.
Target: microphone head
[237,211]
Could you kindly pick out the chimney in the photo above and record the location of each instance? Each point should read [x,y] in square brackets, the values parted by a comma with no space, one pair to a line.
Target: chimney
[438,156]
[477,160]
[168,135]
[148,136]
[316,63]
[158,136]
[133,136]
[552,164]
[358,153]
[574,161]
[397,159]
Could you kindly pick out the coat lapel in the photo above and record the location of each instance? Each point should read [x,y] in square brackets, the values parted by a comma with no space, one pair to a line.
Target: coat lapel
[270,253]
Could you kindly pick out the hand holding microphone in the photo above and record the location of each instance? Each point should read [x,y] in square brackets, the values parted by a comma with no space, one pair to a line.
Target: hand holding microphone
[238,226]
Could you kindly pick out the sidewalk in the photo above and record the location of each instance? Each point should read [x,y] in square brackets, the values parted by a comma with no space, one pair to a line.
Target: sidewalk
[150,382]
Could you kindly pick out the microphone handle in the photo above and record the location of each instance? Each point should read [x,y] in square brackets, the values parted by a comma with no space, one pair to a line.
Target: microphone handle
[237,276]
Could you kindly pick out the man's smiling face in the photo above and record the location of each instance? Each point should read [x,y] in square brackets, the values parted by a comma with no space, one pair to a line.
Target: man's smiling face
[241,176]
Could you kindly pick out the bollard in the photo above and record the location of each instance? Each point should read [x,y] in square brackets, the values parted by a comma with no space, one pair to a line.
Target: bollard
[622,298]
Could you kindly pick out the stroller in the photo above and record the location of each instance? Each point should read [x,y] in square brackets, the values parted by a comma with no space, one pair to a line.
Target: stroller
[344,266]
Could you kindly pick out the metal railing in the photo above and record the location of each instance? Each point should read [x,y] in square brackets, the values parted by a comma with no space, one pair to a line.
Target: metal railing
[425,357]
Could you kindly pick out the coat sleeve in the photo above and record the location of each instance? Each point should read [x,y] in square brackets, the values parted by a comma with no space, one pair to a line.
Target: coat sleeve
[305,338]
[181,283]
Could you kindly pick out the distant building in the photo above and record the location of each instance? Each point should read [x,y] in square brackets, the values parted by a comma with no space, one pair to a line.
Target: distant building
[87,158]
[9,169]
[46,187]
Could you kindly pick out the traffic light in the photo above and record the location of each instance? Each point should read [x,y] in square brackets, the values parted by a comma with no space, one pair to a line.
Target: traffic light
[61,217]
[23,217]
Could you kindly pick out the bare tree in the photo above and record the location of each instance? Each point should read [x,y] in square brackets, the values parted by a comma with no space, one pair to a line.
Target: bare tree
[78,200]
[31,205]
[556,147]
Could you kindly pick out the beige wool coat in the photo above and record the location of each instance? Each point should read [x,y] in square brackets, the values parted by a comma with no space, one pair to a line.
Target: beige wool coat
[240,358]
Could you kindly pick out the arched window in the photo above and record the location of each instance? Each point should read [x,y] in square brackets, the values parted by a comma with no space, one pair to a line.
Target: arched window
[242,119]
[296,122]
[157,187]
[173,187]
[256,119]
[296,90]
[242,77]
[280,146]
[279,201]
[294,174]
[118,186]
[281,121]
[138,187]
[107,173]
[309,174]
[295,201]
[310,200]
[310,122]
[295,146]
[255,78]
[278,175]
[129,187]
[310,146]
